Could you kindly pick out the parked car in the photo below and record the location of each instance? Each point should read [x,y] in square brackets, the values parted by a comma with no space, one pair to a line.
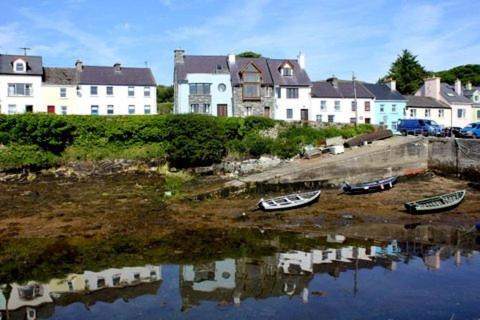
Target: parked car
[471,131]
[419,126]
[452,131]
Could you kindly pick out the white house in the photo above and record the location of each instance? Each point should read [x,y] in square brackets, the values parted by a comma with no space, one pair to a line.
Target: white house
[461,107]
[128,276]
[341,101]
[20,83]
[115,90]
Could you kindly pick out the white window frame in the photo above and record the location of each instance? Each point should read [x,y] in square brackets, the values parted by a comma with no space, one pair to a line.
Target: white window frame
[106,91]
[27,90]
[94,107]
[248,111]
[63,110]
[131,109]
[146,91]
[382,108]
[394,108]
[461,113]
[319,118]
[63,92]
[289,113]
[92,89]
[323,105]
[20,62]
[427,113]
[147,107]
[12,109]
[441,113]
[110,109]
[131,91]
[338,105]
[293,93]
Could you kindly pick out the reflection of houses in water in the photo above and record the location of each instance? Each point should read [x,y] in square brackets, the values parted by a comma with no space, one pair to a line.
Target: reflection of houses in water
[208,277]
[34,300]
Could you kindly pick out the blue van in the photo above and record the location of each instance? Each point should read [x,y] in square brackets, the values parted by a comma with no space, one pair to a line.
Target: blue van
[419,126]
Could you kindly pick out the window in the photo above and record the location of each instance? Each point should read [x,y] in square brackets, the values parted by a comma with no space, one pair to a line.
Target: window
[94,110]
[109,91]
[110,109]
[63,110]
[12,108]
[131,91]
[251,91]
[354,105]
[382,108]
[478,114]
[337,105]
[353,120]
[200,108]
[279,92]
[394,125]
[251,77]
[477,98]
[63,92]
[146,91]
[20,89]
[367,106]
[199,88]
[19,66]
[101,283]
[131,109]
[93,90]
[394,108]
[331,119]
[292,93]
[136,276]
[441,113]
[287,71]
[413,113]
[367,120]
[116,280]
[146,109]
[70,285]
[248,111]
[289,113]
[461,113]
[268,92]
[427,113]
[222,87]
[319,118]
[323,105]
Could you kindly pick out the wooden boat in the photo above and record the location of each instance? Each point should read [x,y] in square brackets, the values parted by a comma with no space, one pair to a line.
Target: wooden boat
[372,186]
[291,201]
[435,204]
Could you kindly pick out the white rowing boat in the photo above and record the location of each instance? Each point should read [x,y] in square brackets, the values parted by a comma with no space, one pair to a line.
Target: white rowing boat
[291,201]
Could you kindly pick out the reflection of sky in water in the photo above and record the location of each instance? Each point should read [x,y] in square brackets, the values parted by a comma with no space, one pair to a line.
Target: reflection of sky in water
[415,290]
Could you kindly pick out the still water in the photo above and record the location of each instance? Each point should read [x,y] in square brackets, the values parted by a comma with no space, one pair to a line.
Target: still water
[376,280]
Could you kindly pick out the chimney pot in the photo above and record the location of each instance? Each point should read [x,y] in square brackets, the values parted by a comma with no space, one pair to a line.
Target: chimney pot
[301,60]
[458,87]
[118,67]
[231,58]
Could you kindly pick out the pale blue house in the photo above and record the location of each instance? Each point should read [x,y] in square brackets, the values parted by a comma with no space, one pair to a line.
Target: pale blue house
[389,104]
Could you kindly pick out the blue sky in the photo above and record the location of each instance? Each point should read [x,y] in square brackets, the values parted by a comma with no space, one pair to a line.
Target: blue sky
[337,37]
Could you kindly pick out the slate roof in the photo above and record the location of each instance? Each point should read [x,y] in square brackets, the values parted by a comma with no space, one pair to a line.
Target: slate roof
[325,89]
[448,92]
[67,76]
[383,92]
[425,102]
[34,64]
[469,93]
[241,63]
[94,75]
[200,64]
[298,78]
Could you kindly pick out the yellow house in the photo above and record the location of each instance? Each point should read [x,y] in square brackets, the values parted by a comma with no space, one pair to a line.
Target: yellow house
[59,91]
[72,283]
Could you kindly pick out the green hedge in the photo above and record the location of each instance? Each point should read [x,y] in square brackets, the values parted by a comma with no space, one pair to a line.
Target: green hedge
[38,140]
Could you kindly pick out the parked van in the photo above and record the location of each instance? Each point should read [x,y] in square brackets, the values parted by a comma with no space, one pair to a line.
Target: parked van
[419,126]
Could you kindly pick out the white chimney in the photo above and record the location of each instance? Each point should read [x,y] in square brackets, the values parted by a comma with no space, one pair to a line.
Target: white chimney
[469,85]
[118,67]
[458,87]
[179,55]
[79,65]
[432,88]
[231,58]
[392,84]
[301,60]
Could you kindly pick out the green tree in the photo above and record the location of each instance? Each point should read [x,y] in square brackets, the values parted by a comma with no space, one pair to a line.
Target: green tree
[466,73]
[164,94]
[249,54]
[408,73]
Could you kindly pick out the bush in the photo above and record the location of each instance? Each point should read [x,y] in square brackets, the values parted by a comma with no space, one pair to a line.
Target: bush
[16,157]
[255,123]
[257,145]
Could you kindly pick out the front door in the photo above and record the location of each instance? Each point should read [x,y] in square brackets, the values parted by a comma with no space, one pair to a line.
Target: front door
[51,109]
[304,114]
[266,112]
[222,110]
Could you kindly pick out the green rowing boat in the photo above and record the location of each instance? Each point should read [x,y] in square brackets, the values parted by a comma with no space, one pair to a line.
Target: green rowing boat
[436,204]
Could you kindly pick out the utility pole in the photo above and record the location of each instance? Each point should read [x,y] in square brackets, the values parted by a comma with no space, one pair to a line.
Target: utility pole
[25,50]
[355,98]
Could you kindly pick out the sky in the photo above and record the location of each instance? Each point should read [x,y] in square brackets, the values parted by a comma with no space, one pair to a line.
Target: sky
[338,37]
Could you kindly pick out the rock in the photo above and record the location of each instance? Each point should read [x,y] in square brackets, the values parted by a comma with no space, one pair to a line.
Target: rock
[347,216]
[167,193]
[204,170]
[319,293]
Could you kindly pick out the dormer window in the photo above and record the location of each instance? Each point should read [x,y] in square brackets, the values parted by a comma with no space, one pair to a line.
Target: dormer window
[251,77]
[19,66]
[287,71]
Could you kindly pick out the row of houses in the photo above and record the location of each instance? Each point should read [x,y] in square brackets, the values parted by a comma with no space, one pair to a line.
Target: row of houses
[229,85]
[27,86]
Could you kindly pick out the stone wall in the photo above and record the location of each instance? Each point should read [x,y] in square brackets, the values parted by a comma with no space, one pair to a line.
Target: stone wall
[455,156]
[240,105]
